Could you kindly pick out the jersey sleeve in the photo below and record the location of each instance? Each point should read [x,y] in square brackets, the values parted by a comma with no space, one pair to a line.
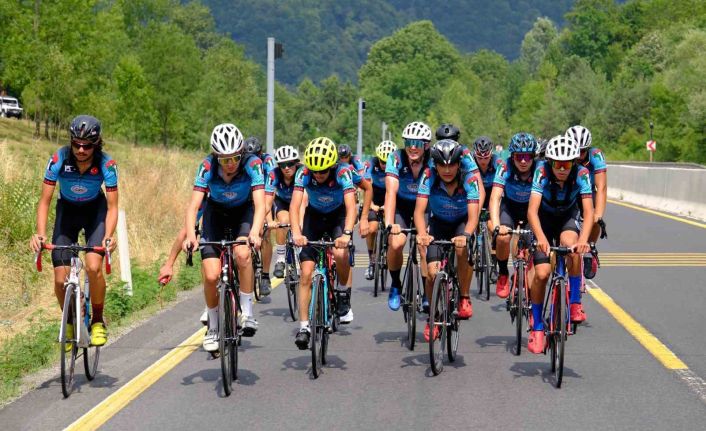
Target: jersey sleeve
[365,170]
[301,178]
[425,182]
[269,164]
[583,180]
[539,180]
[468,164]
[344,176]
[51,173]
[271,183]
[472,188]
[501,174]
[598,161]
[203,176]
[255,171]
[110,173]
[392,168]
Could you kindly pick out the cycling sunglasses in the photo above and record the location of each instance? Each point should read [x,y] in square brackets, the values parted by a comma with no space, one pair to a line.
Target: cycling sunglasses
[285,165]
[325,171]
[235,159]
[483,155]
[78,146]
[562,165]
[414,143]
[523,157]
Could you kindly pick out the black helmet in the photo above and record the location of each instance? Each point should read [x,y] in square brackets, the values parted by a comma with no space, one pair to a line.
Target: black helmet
[253,146]
[446,152]
[541,147]
[344,150]
[448,131]
[483,145]
[86,127]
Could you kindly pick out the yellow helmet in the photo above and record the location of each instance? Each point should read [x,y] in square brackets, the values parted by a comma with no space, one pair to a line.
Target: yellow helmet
[384,149]
[320,154]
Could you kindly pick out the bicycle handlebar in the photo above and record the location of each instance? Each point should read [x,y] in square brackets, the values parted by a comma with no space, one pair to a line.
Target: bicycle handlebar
[222,243]
[75,248]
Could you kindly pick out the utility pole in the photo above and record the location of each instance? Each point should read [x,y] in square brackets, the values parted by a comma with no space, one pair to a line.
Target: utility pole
[361,108]
[274,51]
[384,130]
[652,126]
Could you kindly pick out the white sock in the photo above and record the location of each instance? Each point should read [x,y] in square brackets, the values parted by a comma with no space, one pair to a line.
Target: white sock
[246,303]
[303,324]
[280,249]
[213,318]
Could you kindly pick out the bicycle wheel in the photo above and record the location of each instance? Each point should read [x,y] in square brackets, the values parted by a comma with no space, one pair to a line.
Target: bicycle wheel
[411,304]
[226,337]
[257,280]
[378,266]
[438,319]
[519,304]
[91,354]
[485,251]
[478,268]
[68,359]
[551,333]
[454,324]
[316,324]
[561,331]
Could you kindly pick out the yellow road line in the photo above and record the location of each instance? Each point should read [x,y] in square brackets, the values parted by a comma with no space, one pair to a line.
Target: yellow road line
[116,401]
[658,213]
[642,335]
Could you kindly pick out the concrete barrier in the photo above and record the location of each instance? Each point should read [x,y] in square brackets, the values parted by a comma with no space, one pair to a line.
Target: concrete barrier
[678,190]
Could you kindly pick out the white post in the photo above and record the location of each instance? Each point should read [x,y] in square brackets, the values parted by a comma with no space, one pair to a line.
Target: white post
[124,251]
[361,107]
[384,130]
[270,95]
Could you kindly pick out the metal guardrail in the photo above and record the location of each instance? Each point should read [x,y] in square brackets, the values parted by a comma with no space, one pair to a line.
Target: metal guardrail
[660,164]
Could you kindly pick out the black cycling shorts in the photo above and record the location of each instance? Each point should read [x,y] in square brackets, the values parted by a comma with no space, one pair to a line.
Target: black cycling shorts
[317,225]
[71,218]
[486,202]
[280,205]
[512,213]
[404,213]
[443,230]
[217,218]
[553,225]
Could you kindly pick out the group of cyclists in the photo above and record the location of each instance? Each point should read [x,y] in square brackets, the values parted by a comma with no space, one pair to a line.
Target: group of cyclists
[439,187]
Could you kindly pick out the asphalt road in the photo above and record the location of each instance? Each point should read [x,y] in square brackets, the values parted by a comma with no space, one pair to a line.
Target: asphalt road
[373,381]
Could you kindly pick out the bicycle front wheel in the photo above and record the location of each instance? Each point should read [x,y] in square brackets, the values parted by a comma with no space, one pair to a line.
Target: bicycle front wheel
[519,306]
[226,338]
[485,253]
[292,281]
[257,281]
[67,343]
[377,262]
[438,319]
[561,330]
[317,324]
[411,303]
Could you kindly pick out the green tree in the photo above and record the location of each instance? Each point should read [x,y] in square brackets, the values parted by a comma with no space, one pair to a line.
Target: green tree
[536,42]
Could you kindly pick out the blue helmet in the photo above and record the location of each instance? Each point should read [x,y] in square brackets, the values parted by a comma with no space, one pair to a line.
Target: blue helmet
[522,143]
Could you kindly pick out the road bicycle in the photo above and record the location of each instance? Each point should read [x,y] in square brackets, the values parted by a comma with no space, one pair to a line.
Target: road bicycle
[412,288]
[484,264]
[380,254]
[74,332]
[557,313]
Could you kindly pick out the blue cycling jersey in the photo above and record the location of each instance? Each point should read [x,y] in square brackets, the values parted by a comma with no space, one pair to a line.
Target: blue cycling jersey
[489,175]
[555,199]
[398,167]
[445,207]
[236,192]
[328,196]
[375,173]
[276,185]
[79,187]
[595,163]
[508,179]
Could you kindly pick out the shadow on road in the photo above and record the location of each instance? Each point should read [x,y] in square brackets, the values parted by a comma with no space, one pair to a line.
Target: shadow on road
[101,381]
[303,363]
[277,312]
[542,369]
[498,340]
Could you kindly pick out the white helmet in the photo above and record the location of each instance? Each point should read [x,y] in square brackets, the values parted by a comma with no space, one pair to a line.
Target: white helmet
[286,153]
[417,130]
[384,149]
[226,139]
[562,147]
[581,135]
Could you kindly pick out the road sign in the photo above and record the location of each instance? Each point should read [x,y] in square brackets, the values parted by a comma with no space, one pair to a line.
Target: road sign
[651,145]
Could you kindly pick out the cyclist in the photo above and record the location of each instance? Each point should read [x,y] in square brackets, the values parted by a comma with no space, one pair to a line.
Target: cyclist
[403,170]
[331,212]
[452,196]
[508,201]
[560,188]
[487,163]
[468,163]
[81,169]
[233,183]
[360,180]
[253,146]
[375,170]
[593,160]
[278,190]
[541,149]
